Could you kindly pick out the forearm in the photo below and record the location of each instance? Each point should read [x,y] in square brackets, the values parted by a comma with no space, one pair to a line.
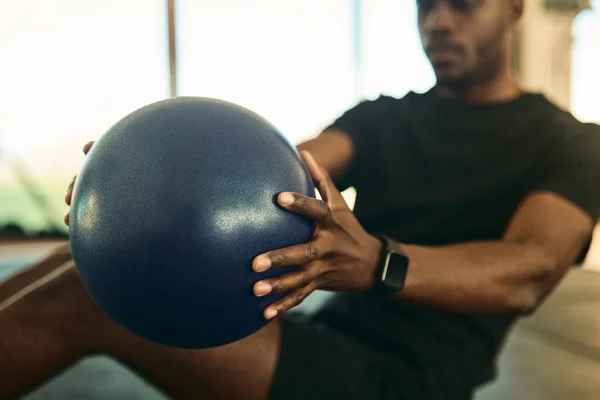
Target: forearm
[480,277]
[48,322]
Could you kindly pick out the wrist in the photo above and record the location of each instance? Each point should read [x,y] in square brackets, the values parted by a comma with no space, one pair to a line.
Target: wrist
[392,269]
[375,253]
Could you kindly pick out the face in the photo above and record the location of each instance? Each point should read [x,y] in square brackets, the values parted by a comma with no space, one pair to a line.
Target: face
[465,40]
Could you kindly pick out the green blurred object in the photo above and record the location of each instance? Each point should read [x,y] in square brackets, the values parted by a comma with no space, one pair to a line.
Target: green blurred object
[27,209]
[567,5]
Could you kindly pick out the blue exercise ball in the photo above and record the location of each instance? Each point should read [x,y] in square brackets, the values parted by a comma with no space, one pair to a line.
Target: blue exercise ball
[169,209]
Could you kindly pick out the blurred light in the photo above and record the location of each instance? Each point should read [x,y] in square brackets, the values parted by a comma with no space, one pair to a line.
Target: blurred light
[70,69]
[289,61]
[585,89]
[394,61]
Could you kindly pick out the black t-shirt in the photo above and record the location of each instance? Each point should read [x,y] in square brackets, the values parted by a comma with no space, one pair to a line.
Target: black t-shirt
[433,171]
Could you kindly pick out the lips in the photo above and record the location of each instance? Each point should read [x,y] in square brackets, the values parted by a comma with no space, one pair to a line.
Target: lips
[442,52]
[447,49]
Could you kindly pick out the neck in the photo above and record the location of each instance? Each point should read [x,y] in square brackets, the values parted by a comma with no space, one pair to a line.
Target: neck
[501,89]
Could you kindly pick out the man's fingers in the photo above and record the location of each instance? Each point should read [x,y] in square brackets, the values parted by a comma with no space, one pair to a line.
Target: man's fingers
[315,170]
[293,299]
[324,183]
[299,254]
[315,209]
[87,147]
[293,280]
[69,194]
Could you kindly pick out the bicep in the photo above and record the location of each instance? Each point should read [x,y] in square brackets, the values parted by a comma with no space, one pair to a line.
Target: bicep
[333,150]
[559,227]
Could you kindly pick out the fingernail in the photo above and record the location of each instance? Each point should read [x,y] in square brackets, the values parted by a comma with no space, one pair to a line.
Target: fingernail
[286,199]
[261,264]
[262,289]
[269,314]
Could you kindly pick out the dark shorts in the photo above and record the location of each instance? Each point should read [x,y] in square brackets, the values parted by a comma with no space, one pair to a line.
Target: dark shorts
[319,363]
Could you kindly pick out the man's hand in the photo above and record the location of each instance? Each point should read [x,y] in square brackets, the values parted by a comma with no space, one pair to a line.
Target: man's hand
[340,256]
[69,194]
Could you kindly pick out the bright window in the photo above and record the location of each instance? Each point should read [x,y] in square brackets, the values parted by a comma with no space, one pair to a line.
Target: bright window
[289,61]
[393,59]
[586,65]
[70,69]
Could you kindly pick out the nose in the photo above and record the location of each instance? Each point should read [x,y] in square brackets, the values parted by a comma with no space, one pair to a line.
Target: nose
[440,19]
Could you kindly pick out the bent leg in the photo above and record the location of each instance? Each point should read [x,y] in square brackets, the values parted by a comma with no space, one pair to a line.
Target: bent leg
[48,322]
[241,370]
[45,323]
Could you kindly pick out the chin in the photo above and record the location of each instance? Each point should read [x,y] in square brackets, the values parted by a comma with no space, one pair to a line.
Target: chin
[451,77]
[455,83]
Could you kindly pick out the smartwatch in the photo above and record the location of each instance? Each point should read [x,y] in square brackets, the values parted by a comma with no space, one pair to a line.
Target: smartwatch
[392,269]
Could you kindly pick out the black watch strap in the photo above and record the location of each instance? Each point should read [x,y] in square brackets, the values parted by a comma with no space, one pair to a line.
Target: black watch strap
[392,269]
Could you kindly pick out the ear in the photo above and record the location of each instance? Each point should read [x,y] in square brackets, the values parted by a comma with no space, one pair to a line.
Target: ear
[516,9]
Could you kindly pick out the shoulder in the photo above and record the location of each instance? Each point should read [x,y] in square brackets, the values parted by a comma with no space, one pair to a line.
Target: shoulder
[571,133]
[570,148]
[384,102]
[569,164]
[581,144]
[556,126]
[373,117]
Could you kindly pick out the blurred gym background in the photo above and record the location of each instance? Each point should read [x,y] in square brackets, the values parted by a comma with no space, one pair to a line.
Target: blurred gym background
[69,69]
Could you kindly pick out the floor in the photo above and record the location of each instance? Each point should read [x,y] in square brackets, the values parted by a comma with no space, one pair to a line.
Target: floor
[553,355]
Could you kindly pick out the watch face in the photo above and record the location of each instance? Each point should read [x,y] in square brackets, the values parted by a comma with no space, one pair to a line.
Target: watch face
[396,269]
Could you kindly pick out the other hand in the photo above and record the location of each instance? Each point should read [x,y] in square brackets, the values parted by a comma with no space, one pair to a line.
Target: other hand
[69,194]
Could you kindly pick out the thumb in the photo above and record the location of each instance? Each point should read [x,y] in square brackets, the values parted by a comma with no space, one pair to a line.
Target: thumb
[331,195]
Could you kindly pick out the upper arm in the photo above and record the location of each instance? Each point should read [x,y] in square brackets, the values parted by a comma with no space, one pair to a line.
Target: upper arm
[558,227]
[564,204]
[349,143]
[333,150]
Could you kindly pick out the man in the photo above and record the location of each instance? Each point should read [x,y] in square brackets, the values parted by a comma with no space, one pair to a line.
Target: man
[486,194]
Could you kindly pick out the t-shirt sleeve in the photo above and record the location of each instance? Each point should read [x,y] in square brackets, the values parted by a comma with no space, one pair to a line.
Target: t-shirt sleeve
[572,169]
[359,123]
